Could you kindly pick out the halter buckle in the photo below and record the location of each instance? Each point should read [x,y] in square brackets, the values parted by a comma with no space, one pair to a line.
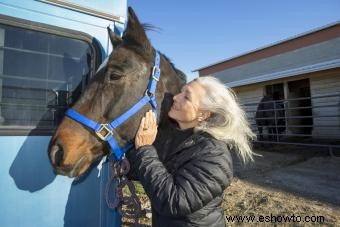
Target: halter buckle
[153,72]
[104,132]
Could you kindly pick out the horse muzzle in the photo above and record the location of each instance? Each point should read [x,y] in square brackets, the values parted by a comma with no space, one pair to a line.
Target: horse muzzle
[65,167]
[56,154]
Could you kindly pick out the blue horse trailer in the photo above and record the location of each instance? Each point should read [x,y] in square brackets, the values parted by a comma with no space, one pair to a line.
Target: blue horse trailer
[49,49]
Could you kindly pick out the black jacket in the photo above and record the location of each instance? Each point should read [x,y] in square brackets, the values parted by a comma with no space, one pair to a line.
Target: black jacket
[186,184]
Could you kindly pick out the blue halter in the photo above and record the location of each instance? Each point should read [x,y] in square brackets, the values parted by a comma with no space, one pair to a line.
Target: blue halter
[105,131]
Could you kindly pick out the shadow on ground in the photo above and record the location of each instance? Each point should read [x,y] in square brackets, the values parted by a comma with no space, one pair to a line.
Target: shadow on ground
[306,172]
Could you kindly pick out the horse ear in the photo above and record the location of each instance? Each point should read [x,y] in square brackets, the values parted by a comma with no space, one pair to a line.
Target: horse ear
[115,39]
[135,32]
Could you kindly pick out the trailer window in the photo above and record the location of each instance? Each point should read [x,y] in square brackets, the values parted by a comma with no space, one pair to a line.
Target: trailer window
[41,74]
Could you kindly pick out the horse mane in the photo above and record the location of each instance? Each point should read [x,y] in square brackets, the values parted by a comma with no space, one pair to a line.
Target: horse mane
[150,27]
[179,73]
[131,44]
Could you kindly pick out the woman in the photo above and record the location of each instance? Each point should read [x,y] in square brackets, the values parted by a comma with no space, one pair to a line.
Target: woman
[185,186]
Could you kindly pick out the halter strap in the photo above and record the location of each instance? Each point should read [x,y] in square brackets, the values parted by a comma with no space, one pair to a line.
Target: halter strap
[105,131]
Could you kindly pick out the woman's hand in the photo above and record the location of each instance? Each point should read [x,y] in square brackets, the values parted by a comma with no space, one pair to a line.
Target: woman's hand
[147,131]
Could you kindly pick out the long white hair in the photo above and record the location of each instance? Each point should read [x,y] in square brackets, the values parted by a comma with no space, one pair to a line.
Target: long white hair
[228,120]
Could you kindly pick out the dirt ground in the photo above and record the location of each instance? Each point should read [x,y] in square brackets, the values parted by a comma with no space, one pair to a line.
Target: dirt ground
[287,181]
[301,184]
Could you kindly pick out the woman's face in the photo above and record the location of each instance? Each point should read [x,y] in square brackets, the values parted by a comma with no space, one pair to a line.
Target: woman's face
[185,109]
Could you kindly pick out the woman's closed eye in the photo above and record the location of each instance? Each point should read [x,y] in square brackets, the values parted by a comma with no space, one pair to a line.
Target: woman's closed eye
[187,95]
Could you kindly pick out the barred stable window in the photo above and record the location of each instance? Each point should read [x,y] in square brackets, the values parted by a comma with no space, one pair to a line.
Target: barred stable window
[40,75]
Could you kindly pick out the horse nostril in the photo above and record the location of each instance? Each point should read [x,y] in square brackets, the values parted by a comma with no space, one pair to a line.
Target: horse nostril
[57,154]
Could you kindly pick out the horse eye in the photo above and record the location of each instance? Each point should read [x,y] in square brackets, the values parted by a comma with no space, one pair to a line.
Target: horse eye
[115,76]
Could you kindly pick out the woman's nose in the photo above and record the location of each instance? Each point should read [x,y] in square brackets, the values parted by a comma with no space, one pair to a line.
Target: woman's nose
[175,98]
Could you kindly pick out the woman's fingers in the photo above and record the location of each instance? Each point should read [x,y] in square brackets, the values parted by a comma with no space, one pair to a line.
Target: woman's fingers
[149,121]
[149,118]
[152,116]
[146,120]
[142,124]
[154,120]
[147,131]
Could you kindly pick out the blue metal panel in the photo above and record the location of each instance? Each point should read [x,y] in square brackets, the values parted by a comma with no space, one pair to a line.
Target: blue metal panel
[32,195]
[114,8]
[62,17]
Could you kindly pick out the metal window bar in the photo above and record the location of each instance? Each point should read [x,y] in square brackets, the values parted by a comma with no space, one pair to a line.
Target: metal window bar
[38,52]
[278,138]
[300,126]
[297,99]
[295,117]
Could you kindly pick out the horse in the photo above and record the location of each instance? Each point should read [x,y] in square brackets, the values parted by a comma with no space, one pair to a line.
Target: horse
[270,114]
[114,89]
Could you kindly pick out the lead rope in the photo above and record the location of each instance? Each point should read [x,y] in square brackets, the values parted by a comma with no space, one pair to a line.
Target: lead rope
[131,203]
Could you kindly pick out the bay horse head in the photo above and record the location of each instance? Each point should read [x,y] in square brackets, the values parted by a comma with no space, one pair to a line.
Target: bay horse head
[113,90]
